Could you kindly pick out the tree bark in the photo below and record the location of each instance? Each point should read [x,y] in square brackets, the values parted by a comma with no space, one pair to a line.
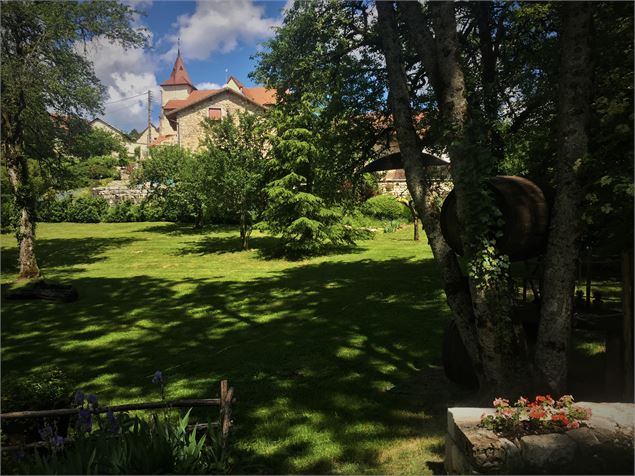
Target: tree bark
[245,231]
[562,248]
[426,197]
[503,353]
[495,344]
[415,220]
[17,169]
[18,172]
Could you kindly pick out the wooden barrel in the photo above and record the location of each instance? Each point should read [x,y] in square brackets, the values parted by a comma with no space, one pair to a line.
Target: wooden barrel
[525,211]
[456,361]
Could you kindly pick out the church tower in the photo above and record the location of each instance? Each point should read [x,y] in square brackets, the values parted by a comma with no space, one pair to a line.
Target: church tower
[177,87]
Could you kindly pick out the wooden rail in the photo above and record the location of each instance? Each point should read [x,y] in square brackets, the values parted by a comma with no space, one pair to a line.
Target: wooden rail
[224,421]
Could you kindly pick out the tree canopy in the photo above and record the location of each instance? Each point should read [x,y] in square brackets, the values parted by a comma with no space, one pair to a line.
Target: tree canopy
[47,84]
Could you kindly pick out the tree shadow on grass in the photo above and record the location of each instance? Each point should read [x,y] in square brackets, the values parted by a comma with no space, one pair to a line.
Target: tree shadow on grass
[180,229]
[267,247]
[65,252]
[229,244]
[311,351]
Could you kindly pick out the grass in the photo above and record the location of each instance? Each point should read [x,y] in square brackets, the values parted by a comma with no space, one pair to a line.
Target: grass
[335,359]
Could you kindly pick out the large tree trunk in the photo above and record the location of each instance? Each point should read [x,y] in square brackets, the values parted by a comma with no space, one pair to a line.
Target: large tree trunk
[502,345]
[495,344]
[17,168]
[424,194]
[562,248]
[18,171]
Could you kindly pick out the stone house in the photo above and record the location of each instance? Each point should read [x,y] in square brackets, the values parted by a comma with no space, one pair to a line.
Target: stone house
[141,143]
[146,137]
[184,107]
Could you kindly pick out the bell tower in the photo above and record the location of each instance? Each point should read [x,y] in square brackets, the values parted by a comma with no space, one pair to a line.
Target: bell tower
[177,86]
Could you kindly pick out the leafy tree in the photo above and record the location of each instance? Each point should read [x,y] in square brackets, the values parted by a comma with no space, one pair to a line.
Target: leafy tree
[235,155]
[96,142]
[307,222]
[179,180]
[134,134]
[494,80]
[331,83]
[46,84]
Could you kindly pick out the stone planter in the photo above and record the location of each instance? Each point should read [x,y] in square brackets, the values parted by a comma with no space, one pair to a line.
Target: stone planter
[604,447]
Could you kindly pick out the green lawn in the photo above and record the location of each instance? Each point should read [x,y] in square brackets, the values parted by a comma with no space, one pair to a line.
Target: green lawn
[335,360]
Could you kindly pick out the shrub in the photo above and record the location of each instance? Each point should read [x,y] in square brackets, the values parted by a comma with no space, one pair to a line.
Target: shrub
[41,390]
[46,389]
[386,207]
[54,210]
[87,210]
[125,211]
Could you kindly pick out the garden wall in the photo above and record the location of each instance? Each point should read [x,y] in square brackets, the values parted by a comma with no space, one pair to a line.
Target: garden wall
[605,446]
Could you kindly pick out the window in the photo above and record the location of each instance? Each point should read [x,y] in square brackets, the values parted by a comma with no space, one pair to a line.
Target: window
[215,113]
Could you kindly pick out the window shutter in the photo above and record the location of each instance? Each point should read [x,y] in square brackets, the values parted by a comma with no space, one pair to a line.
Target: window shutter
[215,113]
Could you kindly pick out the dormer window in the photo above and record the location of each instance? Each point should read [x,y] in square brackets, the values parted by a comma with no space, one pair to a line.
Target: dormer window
[215,113]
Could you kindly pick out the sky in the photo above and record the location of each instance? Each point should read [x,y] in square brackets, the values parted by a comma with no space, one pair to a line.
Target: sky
[217,39]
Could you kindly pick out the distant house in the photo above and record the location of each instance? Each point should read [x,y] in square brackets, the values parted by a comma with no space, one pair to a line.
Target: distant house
[147,136]
[131,146]
[100,124]
[184,107]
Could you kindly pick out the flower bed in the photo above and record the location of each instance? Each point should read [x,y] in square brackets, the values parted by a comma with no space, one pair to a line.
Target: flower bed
[543,415]
[538,444]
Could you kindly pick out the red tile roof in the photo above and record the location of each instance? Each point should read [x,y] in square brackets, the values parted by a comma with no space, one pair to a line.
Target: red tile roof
[261,95]
[179,75]
[194,97]
[259,98]
[163,138]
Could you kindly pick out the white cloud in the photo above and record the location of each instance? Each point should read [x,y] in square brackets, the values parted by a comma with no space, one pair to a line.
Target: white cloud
[220,26]
[125,73]
[201,86]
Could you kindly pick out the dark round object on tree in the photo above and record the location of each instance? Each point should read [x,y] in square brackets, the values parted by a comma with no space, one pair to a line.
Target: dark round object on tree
[456,361]
[525,211]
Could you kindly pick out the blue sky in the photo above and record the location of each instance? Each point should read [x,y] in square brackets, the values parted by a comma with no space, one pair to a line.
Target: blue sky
[216,35]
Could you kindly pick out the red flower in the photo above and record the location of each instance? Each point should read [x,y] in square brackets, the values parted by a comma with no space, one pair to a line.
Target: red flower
[573,425]
[537,413]
[561,418]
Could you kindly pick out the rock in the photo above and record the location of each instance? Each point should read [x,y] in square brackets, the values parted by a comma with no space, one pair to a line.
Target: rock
[548,454]
[584,438]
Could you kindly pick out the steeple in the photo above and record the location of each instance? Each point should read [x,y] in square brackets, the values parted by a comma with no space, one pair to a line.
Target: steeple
[179,76]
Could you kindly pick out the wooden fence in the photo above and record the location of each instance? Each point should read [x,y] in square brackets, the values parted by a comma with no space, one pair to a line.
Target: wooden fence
[224,421]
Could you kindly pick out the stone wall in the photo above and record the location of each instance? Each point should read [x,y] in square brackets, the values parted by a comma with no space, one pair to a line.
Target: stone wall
[190,121]
[604,446]
[119,191]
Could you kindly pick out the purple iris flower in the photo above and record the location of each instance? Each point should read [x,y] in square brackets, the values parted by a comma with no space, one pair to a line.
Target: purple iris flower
[158,377]
[92,399]
[79,397]
[85,420]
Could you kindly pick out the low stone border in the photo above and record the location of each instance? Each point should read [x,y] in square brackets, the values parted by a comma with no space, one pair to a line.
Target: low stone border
[605,446]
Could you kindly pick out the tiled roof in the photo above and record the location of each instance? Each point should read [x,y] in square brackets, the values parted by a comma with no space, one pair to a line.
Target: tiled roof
[161,139]
[261,95]
[179,75]
[195,97]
